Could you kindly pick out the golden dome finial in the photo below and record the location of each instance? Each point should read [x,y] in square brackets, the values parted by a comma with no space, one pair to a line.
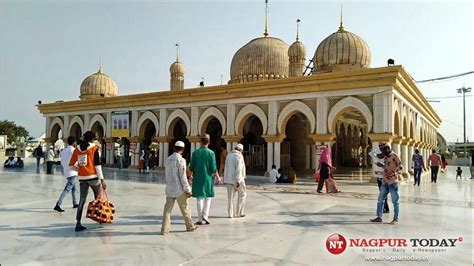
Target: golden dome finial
[100,66]
[341,24]
[298,29]
[265,33]
[177,52]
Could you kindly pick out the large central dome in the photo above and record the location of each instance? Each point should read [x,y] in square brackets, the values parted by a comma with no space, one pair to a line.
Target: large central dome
[260,59]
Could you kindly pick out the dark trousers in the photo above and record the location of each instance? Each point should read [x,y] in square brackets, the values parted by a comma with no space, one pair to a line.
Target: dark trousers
[49,167]
[38,159]
[84,190]
[385,204]
[321,184]
[417,175]
[434,173]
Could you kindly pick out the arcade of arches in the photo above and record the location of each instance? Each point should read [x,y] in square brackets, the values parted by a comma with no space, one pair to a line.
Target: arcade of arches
[288,135]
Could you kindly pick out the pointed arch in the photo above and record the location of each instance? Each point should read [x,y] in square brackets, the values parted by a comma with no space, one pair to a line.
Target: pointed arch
[76,120]
[148,115]
[97,118]
[343,105]
[207,115]
[245,113]
[293,108]
[178,114]
[55,122]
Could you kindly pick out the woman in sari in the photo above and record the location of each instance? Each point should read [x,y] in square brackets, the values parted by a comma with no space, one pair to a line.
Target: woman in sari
[325,169]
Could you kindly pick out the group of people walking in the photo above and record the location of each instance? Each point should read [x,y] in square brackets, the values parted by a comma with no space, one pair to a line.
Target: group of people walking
[203,174]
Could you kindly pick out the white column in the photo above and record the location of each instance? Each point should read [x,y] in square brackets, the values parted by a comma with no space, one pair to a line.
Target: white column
[194,121]
[166,149]
[66,126]
[272,117]
[230,119]
[87,119]
[382,119]
[108,130]
[308,157]
[322,105]
[229,146]
[134,124]
[47,125]
[269,156]
[161,159]
[396,148]
[276,154]
[405,157]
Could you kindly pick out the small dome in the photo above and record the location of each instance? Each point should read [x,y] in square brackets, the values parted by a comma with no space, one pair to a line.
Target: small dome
[177,68]
[98,85]
[297,49]
[260,59]
[341,50]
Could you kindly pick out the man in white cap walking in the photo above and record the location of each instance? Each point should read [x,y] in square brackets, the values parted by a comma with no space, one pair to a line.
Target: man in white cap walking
[234,179]
[177,189]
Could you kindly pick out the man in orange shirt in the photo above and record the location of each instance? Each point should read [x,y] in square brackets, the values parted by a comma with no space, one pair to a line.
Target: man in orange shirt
[434,161]
[86,161]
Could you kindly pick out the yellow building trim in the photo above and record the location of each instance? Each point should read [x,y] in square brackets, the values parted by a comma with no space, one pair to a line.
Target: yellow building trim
[381,137]
[395,77]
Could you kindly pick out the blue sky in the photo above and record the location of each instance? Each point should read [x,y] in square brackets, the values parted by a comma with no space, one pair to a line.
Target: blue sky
[48,47]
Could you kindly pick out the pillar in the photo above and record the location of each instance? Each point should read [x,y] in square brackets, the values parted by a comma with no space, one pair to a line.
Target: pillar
[194,140]
[110,154]
[404,156]
[166,149]
[276,154]
[270,155]
[161,160]
[314,158]
[228,146]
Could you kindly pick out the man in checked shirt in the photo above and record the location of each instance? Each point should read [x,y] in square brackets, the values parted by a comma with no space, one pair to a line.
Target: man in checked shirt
[393,168]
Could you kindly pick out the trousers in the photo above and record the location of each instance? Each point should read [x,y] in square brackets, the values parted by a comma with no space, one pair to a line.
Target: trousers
[242,195]
[84,190]
[70,187]
[183,206]
[203,207]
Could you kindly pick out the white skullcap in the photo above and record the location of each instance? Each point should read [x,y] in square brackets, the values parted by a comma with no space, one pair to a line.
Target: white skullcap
[179,144]
[239,147]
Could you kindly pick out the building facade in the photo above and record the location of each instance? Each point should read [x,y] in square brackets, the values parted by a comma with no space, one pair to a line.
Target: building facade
[281,115]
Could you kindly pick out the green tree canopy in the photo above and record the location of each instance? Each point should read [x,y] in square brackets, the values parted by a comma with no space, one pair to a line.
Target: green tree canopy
[14,133]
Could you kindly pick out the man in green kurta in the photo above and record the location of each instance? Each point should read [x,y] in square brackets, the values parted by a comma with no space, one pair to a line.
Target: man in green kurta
[203,167]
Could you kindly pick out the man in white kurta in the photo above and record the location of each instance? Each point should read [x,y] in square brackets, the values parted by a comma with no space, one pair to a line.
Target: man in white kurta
[234,180]
[177,189]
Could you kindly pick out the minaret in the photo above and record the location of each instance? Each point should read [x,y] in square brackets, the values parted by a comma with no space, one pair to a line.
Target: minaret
[177,73]
[297,55]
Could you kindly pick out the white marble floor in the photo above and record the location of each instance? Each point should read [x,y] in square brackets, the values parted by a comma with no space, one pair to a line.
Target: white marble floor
[284,225]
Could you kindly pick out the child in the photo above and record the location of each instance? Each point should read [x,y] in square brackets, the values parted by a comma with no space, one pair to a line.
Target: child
[274,175]
[459,172]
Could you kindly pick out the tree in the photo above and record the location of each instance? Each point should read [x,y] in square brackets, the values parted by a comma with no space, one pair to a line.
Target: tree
[14,133]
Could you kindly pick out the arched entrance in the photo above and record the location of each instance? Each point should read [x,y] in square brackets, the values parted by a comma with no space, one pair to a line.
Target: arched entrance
[76,131]
[295,147]
[214,129]
[351,139]
[178,131]
[254,145]
[148,133]
[99,131]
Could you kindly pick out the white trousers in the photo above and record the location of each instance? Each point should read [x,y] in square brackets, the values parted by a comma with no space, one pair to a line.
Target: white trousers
[203,207]
[242,194]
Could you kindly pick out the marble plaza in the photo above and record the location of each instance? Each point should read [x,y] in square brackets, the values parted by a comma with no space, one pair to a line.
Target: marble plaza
[285,225]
